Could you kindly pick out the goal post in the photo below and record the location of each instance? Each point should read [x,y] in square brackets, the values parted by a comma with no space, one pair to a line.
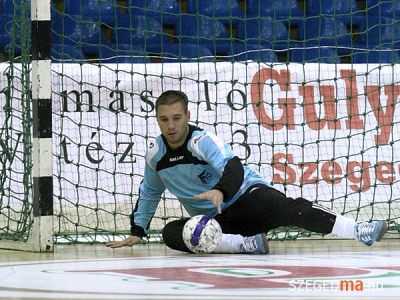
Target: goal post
[42,132]
[36,195]
[78,85]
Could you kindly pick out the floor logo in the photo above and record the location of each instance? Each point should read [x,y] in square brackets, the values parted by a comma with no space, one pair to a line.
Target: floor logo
[192,276]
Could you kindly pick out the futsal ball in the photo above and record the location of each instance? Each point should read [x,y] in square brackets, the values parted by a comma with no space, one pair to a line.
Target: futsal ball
[202,234]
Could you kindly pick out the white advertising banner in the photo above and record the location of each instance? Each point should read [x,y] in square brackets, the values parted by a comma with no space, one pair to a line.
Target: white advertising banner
[325,132]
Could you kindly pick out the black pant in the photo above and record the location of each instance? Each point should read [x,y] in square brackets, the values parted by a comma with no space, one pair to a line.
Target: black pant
[261,209]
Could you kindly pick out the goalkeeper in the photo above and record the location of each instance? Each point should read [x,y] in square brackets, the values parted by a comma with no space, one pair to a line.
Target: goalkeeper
[208,179]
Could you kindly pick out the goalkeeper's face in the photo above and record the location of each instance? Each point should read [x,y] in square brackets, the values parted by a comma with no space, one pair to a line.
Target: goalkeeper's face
[174,123]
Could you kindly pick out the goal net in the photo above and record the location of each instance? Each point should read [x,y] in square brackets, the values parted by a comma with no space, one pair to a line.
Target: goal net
[315,110]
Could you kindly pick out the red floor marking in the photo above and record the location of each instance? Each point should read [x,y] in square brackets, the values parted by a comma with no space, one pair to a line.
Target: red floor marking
[231,282]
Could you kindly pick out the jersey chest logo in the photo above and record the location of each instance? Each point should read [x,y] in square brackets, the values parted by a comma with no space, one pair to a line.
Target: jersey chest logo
[176,158]
[205,177]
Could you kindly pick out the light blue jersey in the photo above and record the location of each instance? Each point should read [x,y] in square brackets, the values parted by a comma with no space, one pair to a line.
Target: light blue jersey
[192,169]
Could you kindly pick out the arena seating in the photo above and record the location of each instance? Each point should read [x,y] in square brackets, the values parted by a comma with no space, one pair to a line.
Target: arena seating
[91,28]
[314,55]
[265,32]
[164,11]
[186,52]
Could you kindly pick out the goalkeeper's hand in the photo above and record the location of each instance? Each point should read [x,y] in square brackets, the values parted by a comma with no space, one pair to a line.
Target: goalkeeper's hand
[129,241]
[215,196]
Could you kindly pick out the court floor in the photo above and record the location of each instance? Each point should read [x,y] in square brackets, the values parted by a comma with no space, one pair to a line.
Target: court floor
[303,269]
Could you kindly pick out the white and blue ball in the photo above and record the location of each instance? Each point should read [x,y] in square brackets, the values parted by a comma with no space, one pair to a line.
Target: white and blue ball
[202,234]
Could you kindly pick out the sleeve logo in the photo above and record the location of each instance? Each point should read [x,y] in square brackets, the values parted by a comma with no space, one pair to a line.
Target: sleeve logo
[195,141]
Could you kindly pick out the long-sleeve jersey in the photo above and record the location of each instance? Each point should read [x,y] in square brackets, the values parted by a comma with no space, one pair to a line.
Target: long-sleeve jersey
[202,163]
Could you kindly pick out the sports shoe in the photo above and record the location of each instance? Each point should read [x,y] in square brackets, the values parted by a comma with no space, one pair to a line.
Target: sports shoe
[257,244]
[370,232]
